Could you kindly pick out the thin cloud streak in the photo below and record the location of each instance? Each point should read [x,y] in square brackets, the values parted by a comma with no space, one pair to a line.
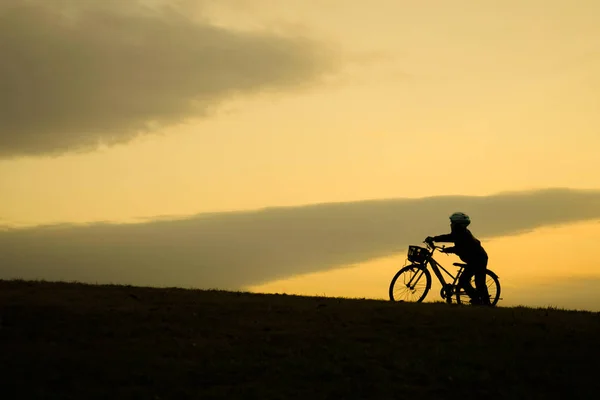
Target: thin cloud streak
[240,249]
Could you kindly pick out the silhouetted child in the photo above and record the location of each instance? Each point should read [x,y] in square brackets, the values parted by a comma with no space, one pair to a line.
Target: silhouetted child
[470,251]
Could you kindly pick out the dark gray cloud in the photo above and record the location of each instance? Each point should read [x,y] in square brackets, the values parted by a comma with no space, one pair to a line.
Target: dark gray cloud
[76,73]
[238,249]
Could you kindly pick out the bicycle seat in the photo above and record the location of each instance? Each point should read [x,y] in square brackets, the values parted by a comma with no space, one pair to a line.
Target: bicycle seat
[460,264]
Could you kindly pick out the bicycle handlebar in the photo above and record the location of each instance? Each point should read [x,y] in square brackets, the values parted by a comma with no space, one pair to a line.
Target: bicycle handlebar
[433,247]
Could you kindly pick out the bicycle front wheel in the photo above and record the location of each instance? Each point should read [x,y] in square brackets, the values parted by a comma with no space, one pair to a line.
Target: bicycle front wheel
[411,283]
[493,286]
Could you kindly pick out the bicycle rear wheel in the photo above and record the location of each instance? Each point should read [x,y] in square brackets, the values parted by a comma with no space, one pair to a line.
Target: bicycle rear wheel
[493,286]
[411,283]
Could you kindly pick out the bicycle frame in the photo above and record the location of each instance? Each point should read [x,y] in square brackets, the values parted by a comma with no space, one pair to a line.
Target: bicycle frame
[437,270]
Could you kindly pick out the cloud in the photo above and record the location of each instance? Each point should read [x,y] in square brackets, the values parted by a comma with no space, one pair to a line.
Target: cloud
[240,249]
[78,73]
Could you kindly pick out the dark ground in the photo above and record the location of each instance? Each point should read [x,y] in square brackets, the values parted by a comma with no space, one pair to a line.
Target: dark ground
[75,341]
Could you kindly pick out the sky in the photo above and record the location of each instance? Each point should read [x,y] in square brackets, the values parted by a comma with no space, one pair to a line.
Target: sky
[165,143]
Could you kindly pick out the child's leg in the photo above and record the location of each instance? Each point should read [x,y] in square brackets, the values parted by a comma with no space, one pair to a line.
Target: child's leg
[481,285]
[464,282]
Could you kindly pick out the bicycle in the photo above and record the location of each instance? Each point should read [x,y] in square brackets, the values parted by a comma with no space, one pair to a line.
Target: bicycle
[414,274]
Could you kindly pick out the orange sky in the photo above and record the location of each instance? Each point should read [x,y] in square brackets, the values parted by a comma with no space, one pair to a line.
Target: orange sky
[389,99]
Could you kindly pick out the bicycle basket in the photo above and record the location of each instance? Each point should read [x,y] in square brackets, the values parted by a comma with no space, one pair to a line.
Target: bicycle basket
[417,254]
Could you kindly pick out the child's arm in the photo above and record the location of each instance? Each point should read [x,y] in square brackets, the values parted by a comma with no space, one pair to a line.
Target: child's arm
[449,249]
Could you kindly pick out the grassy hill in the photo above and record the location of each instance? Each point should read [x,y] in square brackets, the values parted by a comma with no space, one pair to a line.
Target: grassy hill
[75,341]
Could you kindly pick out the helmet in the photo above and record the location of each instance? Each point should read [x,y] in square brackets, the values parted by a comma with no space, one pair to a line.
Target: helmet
[460,218]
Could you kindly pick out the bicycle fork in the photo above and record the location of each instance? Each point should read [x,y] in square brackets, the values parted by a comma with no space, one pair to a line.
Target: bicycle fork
[411,284]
